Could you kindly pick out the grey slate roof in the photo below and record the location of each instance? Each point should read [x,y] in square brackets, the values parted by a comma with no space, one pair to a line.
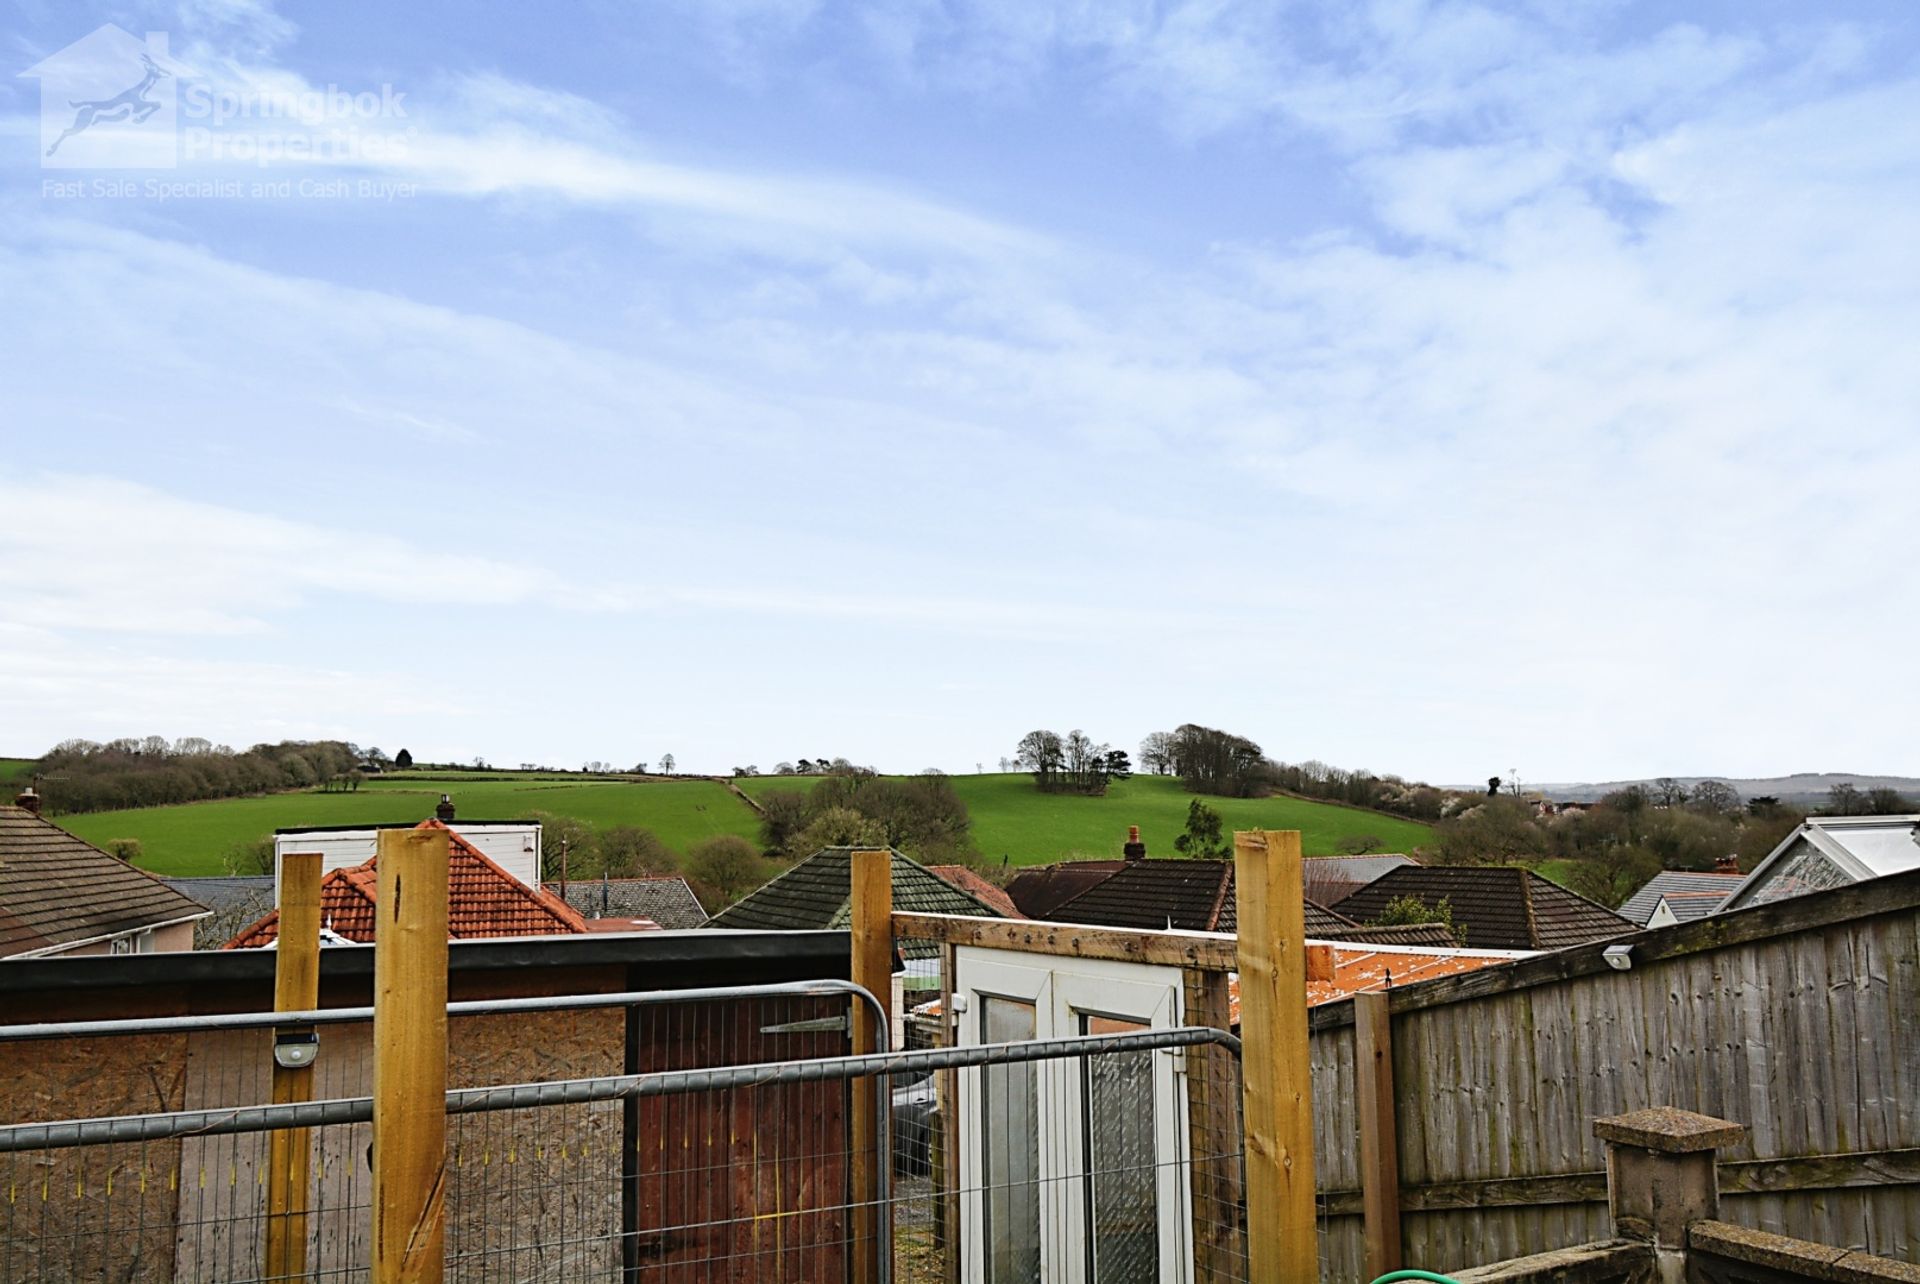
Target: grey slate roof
[237,901]
[57,890]
[1689,894]
[1331,879]
[1495,907]
[816,894]
[666,899]
[1198,896]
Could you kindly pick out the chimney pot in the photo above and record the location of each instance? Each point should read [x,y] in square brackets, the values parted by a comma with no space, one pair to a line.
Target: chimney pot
[1728,864]
[29,800]
[445,810]
[1135,849]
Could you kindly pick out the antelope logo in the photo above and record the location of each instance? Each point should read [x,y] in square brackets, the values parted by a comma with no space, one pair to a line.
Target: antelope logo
[110,100]
[129,104]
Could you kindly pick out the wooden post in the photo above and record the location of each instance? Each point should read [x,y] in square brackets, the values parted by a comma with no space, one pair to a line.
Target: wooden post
[947,1172]
[1281,1244]
[410,1057]
[1379,1138]
[1212,1131]
[871,890]
[296,988]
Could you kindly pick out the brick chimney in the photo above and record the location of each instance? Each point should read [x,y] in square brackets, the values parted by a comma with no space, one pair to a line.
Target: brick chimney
[445,810]
[1135,849]
[1728,864]
[29,800]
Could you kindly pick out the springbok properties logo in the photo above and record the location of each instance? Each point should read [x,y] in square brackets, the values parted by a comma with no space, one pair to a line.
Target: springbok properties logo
[109,100]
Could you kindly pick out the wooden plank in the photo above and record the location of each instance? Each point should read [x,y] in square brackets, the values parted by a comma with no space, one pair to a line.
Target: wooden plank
[1893,894]
[1212,1134]
[1212,951]
[949,1088]
[1379,1135]
[1281,1244]
[872,968]
[410,1057]
[296,988]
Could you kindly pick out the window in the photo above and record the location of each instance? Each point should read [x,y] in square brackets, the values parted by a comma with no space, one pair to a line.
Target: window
[1122,1172]
[1011,1149]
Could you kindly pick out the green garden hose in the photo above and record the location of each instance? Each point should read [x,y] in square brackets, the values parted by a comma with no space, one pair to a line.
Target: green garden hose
[1393,1277]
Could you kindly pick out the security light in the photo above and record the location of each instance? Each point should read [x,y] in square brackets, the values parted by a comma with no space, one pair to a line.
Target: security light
[295,1049]
[1620,957]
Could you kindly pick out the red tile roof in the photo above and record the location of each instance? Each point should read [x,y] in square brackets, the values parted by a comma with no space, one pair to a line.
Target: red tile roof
[970,881]
[482,900]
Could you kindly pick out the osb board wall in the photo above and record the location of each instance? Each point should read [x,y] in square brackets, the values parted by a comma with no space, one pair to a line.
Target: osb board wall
[101,1212]
[1810,1038]
[190,1210]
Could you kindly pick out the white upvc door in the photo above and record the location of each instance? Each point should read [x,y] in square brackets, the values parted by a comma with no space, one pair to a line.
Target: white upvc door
[1069,1170]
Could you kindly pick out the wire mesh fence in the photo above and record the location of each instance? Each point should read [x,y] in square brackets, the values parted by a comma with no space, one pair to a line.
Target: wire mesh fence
[696,1139]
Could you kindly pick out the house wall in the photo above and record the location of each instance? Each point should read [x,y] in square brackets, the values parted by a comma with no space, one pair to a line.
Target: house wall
[533,1194]
[513,846]
[1800,1020]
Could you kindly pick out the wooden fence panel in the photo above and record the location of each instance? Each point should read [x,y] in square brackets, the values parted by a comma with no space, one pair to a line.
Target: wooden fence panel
[1810,1037]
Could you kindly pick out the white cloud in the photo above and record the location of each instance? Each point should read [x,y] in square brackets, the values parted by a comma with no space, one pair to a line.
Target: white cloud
[100,554]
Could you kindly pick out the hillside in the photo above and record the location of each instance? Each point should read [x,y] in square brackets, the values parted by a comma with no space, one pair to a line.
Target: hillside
[15,772]
[1011,820]
[1014,821]
[1802,788]
[192,838]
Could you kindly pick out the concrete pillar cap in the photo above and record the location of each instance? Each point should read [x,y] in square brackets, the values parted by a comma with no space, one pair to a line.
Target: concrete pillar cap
[1668,1131]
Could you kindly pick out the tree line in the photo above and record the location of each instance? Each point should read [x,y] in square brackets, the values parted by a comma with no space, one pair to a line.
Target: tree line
[84,775]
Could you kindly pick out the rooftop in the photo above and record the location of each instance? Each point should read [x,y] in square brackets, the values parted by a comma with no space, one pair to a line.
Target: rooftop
[977,885]
[57,892]
[483,900]
[815,894]
[1688,894]
[1494,907]
[665,899]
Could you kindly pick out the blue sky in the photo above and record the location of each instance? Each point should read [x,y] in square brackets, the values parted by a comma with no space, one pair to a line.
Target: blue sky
[1433,388]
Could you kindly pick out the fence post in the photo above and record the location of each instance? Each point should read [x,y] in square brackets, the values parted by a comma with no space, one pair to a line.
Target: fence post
[410,1057]
[1379,1130]
[1213,1183]
[296,988]
[947,1171]
[871,888]
[1278,1116]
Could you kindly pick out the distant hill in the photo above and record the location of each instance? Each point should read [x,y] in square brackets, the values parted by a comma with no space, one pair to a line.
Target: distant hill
[1801,787]
[1014,821]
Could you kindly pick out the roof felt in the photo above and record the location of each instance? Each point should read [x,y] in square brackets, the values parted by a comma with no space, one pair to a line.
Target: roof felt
[815,894]
[1190,895]
[666,899]
[483,900]
[974,884]
[1689,895]
[56,890]
[1040,891]
[1494,907]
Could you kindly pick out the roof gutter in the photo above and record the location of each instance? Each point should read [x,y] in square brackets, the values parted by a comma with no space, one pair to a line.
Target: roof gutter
[64,946]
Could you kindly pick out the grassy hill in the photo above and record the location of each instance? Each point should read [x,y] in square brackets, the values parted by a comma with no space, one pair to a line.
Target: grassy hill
[15,772]
[1012,819]
[191,838]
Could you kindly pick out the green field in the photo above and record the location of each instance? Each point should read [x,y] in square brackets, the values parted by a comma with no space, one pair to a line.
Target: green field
[15,771]
[192,838]
[1011,819]
[1014,820]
